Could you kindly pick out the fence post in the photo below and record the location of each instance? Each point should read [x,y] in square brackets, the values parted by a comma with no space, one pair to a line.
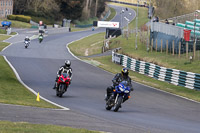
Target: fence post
[147,44]
[186,50]
[179,52]
[156,44]
[151,44]
[161,46]
[173,48]
[167,47]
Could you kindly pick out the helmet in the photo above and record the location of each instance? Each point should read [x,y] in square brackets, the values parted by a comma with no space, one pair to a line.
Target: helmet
[67,63]
[125,71]
[27,37]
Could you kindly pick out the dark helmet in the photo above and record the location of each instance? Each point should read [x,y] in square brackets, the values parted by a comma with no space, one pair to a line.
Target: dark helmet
[67,63]
[125,71]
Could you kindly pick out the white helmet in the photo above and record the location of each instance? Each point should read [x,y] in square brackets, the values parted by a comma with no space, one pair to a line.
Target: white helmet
[67,63]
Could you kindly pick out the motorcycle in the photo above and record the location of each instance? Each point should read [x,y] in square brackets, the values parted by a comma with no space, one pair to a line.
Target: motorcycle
[26,44]
[63,83]
[119,93]
[40,38]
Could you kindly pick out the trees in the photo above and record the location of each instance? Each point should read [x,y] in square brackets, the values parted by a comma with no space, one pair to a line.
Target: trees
[70,9]
[171,8]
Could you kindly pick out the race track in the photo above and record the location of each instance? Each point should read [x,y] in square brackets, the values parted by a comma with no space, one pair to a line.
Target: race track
[148,110]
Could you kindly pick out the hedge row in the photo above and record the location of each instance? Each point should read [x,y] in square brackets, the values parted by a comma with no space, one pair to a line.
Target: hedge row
[20,18]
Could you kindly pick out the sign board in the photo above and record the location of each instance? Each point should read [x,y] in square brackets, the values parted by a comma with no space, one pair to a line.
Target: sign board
[108,24]
[116,58]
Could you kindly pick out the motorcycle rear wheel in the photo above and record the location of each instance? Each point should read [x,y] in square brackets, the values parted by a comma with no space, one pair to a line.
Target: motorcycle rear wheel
[108,107]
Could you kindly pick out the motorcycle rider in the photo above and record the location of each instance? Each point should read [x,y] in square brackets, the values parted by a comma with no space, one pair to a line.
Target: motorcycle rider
[119,77]
[27,39]
[64,69]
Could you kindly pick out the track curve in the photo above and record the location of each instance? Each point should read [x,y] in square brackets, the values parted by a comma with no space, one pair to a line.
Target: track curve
[148,111]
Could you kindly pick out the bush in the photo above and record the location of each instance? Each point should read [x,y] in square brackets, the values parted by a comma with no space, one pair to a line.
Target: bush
[20,18]
[23,18]
[11,17]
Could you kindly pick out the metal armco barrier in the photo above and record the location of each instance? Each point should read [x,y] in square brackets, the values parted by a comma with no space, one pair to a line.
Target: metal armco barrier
[177,77]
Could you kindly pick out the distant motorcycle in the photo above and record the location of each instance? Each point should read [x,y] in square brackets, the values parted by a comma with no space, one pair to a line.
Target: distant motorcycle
[119,93]
[26,44]
[40,38]
[63,83]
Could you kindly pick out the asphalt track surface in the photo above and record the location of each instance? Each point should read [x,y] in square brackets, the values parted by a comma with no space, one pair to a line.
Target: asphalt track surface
[149,110]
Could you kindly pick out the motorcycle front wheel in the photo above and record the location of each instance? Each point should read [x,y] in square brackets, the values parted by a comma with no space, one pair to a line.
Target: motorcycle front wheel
[26,46]
[60,90]
[118,104]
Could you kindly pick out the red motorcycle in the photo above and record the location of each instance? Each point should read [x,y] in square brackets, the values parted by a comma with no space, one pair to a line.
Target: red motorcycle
[63,83]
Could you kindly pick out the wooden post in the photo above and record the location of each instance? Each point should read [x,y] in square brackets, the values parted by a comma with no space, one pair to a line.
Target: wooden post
[161,46]
[179,52]
[167,47]
[156,44]
[173,48]
[148,43]
[187,50]
[151,44]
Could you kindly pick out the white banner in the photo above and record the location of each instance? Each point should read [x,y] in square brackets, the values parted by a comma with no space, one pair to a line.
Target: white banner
[108,24]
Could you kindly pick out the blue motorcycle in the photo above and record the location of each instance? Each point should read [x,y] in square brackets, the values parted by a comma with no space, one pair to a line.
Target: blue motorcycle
[120,92]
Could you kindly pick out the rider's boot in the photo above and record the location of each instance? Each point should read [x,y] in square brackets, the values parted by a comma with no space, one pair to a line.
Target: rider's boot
[107,96]
[55,85]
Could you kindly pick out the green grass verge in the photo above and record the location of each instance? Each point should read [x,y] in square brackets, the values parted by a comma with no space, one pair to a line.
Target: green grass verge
[112,14]
[3,45]
[11,90]
[2,31]
[4,37]
[13,33]
[88,47]
[23,127]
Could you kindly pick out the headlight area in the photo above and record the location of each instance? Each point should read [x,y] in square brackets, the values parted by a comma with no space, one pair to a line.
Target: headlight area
[121,89]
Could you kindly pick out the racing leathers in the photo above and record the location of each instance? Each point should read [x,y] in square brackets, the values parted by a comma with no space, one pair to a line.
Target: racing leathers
[63,69]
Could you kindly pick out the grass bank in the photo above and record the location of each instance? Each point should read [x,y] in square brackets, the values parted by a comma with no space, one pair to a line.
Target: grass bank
[23,127]
[11,90]
[88,47]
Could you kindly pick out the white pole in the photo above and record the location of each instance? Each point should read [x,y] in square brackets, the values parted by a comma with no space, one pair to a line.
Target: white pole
[136,27]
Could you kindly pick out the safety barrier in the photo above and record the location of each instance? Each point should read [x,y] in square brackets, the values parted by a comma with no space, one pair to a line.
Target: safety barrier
[177,77]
